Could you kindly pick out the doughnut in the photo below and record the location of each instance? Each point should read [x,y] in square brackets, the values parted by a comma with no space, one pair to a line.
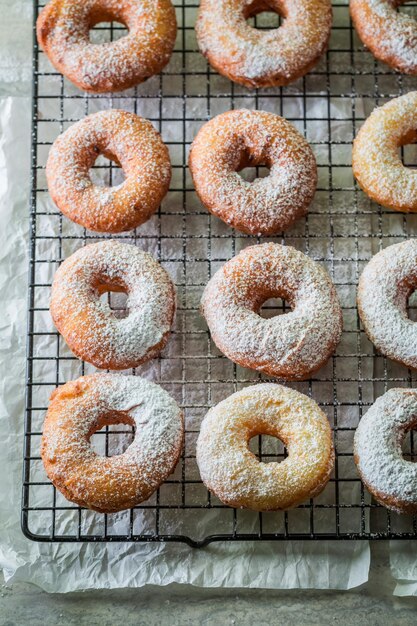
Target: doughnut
[80,408]
[376,161]
[63,34]
[384,287]
[290,346]
[238,139]
[389,35]
[263,58]
[377,450]
[91,330]
[237,477]
[130,141]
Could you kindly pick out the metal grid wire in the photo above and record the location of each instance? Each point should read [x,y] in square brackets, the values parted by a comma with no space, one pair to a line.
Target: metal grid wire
[342,231]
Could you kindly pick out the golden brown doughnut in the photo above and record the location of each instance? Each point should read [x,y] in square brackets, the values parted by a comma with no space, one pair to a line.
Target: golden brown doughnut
[91,330]
[390,478]
[390,36]
[129,140]
[80,408]
[290,346]
[63,33]
[376,160]
[238,139]
[237,477]
[257,58]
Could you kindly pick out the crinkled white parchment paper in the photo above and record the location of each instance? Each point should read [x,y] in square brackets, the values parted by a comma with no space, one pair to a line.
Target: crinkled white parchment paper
[66,567]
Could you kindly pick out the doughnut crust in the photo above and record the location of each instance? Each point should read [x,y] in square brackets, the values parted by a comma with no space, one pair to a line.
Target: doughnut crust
[389,35]
[257,58]
[290,346]
[123,137]
[238,139]
[391,479]
[63,33]
[376,162]
[384,287]
[91,330]
[109,484]
[237,477]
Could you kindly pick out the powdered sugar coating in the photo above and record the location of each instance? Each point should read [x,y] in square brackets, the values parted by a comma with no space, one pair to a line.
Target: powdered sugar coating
[87,323]
[376,161]
[236,476]
[126,138]
[390,36]
[383,291]
[63,33]
[258,58]
[108,484]
[238,139]
[390,478]
[290,346]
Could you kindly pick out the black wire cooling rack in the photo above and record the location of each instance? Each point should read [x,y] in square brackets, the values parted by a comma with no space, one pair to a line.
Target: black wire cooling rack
[343,230]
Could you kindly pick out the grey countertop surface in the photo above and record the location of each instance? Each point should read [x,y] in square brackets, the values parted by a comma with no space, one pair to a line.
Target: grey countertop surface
[372,604]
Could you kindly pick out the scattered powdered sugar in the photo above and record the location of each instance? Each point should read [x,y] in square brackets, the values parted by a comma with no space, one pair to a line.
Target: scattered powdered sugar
[289,346]
[384,287]
[130,140]
[378,454]
[80,408]
[236,476]
[376,160]
[391,36]
[237,139]
[258,58]
[87,323]
[63,32]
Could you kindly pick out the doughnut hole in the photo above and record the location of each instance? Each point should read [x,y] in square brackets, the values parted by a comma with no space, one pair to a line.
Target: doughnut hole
[408,155]
[106,172]
[114,435]
[412,306]
[401,7]
[105,26]
[407,148]
[409,446]
[248,164]
[107,31]
[264,15]
[252,173]
[116,298]
[267,449]
[273,307]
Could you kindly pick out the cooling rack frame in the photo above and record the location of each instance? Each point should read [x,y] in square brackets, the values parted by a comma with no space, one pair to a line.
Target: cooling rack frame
[373,522]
